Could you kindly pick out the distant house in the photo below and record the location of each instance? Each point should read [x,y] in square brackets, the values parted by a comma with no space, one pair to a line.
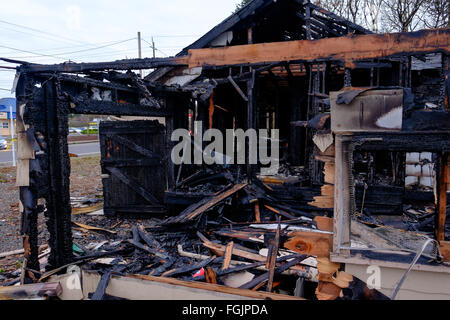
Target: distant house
[5,116]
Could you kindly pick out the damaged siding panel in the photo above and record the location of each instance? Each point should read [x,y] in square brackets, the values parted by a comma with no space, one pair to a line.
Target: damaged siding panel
[374,110]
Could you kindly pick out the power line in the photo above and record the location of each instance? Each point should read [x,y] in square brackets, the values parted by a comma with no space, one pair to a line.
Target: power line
[31,52]
[67,47]
[57,55]
[40,31]
[31,34]
[176,36]
[101,47]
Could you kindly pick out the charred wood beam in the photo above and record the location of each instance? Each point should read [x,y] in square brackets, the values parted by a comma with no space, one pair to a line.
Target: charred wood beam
[67,79]
[143,90]
[243,267]
[125,64]
[280,269]
[369,65]
[238,89]
[246,75]
[90,106]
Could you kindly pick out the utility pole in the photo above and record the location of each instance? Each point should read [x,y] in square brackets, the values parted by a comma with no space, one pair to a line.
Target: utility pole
[139,50]
[154,49]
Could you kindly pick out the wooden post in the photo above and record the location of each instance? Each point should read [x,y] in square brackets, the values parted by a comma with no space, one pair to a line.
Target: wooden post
[273,257]
[250,118]
[446,70]
[442,197]
[308,23]
[169,121]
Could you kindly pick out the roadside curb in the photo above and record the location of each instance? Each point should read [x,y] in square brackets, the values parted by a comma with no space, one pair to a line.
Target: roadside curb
[81,142]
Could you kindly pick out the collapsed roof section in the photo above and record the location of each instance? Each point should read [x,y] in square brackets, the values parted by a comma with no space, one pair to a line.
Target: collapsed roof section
[262,21]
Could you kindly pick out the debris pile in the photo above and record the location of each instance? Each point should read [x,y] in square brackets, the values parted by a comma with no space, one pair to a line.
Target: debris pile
[247,235]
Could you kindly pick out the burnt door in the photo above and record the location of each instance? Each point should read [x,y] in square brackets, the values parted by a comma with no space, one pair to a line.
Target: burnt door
[133,172]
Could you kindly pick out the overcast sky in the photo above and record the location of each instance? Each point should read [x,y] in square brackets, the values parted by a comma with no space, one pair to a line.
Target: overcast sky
[51,31]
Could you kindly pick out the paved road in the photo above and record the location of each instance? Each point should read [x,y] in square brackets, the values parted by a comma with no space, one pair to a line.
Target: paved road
[83,149]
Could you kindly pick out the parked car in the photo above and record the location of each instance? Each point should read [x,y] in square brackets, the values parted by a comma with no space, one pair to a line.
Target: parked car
[75,130]
[3,143]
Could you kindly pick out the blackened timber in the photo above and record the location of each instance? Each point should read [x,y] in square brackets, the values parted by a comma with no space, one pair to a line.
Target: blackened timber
[273,257]
[28,195]
[29,230]
[59,210]
[243,267]
[265,276]
[125,64]
[205,204]
[238,89]
[118,109]
[442,197]
[100,292]
[193,267]
[132,162]
[67,79]
[251,101]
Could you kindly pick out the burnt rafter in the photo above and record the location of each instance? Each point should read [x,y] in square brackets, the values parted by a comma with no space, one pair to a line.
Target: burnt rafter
[125,64]
[81,105]
[336,18]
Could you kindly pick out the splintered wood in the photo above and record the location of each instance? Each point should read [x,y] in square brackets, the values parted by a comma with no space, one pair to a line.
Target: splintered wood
[196,209]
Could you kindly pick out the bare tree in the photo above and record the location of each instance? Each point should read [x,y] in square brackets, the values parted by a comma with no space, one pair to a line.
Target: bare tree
[402,15]
[437,14]
[354,9]
[392,15]
[371,14]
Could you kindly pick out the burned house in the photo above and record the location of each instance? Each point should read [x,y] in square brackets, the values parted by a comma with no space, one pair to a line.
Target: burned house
[363,144]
